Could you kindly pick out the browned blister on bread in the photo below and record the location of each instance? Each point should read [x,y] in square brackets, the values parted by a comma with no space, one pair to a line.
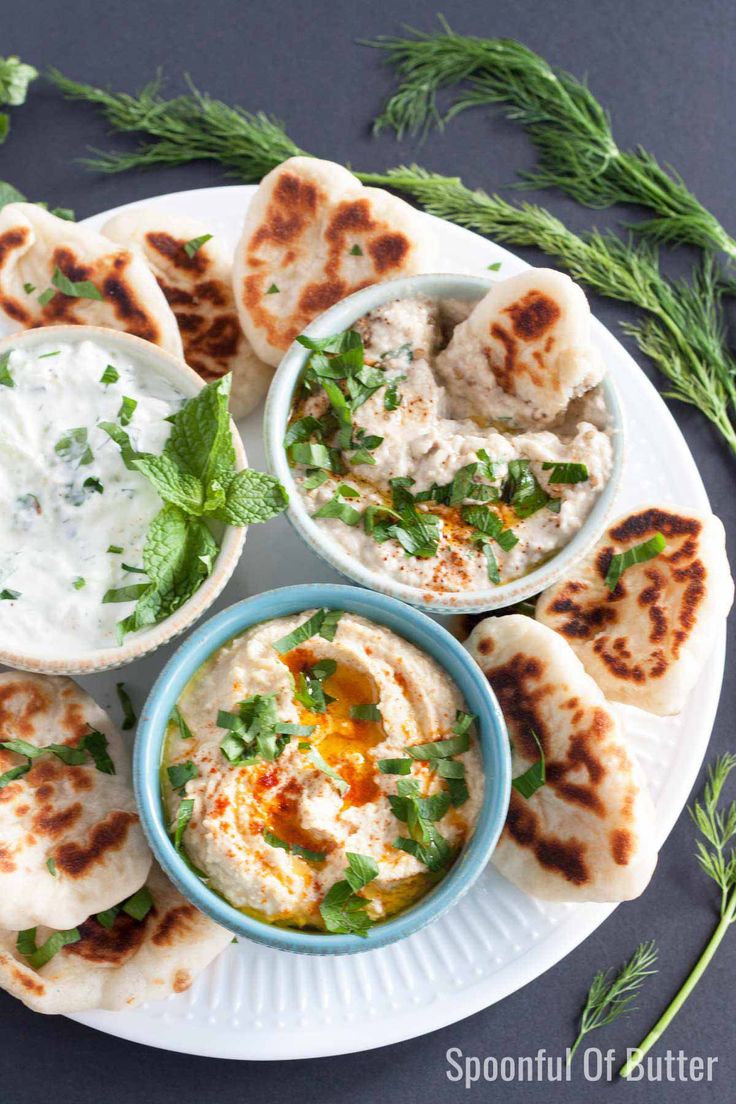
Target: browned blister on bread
[645,643]
[313,235]
[198,288]
[35,243]
[70,839]
[588,833]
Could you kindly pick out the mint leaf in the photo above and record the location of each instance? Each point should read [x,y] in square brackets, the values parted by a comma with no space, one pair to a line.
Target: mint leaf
[173,485]
[177,718]
[293,848]
[324,767]
[192,247]
[565,472]
[200,441]
[361,870]
[323,622]
[640,553]
[9,194]
[39,956]
[252,497]
[183,816]
[534,777]
[139,904]
[343,911]
[181,773]
[81,289]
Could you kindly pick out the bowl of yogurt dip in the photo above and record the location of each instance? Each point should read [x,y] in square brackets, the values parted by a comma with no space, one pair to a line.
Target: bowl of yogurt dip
[448,440]
[76,517]
[322,769]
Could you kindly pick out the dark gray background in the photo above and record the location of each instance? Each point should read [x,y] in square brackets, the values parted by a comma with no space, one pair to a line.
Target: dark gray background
[665,69]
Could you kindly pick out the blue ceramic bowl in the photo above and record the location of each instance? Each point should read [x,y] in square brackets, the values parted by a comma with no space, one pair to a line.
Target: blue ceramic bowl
[276,418]
[415,627]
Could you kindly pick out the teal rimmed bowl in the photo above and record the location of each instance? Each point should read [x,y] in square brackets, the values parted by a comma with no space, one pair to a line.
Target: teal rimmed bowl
[276,418]
[406,622]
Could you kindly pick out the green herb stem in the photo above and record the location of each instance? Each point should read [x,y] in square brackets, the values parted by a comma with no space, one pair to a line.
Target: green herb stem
[569,128]
[728,917]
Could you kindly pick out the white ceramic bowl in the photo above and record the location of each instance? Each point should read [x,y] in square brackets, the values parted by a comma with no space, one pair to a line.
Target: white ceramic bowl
[278,407]
[46,659]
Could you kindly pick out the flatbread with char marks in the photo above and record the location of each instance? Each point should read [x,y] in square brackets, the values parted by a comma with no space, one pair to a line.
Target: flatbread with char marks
[199,290]
[313,235]
[120,966]
[587,834]
[34,243]
[70,838]
[524,352]
[646,642]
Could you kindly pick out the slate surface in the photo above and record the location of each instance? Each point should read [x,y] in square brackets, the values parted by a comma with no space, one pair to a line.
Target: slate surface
[664,68]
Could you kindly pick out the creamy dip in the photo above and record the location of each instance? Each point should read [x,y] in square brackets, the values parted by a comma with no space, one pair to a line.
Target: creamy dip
[414,427]
[325,795]
[66,498]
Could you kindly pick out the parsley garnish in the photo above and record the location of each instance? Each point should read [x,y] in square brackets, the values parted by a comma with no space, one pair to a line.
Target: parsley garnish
[323,623]
[343,909]
[565,472]
[129,717]
[38,956]
[293,848]
[110,375]
[6,380]
[534,777]
[192,247]
[640,553]
[254,732]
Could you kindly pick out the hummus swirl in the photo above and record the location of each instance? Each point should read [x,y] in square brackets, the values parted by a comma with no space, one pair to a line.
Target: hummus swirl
[237,809]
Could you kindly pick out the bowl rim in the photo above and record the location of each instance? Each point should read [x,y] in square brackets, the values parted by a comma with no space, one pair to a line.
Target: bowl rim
[143,643]
[407,622]
[278,406]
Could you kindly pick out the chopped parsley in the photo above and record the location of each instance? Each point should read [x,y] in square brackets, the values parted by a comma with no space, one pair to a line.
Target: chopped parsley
[192,247]
[322,623]
[254,732]
[640,553]
[293,848]
[343,910]
[6,379]
[110,375]
[534,777]
[36,956]
[116,549]
[129,717]
[565,472]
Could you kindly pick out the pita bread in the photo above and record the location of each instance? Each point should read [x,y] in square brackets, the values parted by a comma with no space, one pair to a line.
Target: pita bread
[133,961]
[200,293]
[83,819]
[646,642]
[315,234]
[33,243]
[588,833]
[524,352]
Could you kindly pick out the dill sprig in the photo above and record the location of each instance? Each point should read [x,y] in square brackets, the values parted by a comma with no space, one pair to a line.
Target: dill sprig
[568,126]
[190,127]
[611,996]
[716,855]
[682,329]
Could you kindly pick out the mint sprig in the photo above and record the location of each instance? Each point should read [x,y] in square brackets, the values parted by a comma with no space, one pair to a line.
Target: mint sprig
[196,478]
[343,910]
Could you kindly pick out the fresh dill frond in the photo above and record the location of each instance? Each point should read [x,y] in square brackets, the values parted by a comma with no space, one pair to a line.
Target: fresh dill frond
[568,126]
[717,826]
[190,127]
[611,996]
[682,330]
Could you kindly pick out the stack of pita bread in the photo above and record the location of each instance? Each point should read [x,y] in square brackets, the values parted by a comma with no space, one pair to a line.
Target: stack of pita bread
[312,235]
[72,853]
[588,833]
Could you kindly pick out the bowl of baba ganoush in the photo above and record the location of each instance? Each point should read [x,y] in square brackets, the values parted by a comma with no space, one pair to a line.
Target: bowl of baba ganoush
[322,769]
[96,567]
[448,440]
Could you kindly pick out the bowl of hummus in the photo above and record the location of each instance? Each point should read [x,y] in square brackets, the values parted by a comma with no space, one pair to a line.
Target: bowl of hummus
[98,568]
[448,440]
[322,769]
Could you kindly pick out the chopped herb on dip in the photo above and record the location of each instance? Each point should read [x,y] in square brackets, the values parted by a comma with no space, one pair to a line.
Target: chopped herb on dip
[313,757]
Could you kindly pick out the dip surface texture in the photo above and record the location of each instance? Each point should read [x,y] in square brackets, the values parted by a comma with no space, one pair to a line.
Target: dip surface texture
[459,502]
[324,795]
[66,497]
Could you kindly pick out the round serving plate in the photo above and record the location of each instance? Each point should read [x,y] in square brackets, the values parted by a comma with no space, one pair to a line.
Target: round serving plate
[259,1003]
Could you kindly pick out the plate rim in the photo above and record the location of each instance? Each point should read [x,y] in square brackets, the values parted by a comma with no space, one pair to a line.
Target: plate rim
[186,1037]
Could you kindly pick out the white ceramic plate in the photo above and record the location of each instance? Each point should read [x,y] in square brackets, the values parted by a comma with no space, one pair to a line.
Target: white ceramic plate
[254,1002]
